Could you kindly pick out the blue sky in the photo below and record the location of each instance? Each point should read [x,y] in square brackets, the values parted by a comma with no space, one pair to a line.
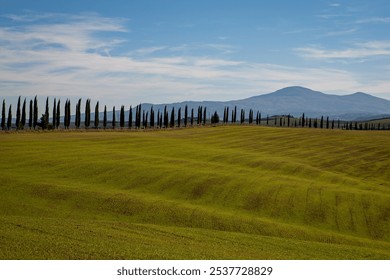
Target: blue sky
[127,52]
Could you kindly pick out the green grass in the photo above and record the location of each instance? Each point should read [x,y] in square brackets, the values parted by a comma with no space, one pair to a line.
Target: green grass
[199,193]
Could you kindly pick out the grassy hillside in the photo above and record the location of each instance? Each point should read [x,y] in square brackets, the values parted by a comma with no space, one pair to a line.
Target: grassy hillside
[199,193]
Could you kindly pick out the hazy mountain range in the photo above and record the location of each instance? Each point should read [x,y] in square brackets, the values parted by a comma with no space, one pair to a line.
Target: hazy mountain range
[295,101]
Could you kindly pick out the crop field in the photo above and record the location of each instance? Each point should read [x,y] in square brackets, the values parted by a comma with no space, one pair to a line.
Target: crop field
[225,192]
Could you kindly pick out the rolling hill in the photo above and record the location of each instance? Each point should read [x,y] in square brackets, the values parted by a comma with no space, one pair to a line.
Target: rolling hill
[226,192]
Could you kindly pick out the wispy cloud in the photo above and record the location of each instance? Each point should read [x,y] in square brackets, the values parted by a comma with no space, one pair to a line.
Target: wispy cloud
[374,20]
[360,50]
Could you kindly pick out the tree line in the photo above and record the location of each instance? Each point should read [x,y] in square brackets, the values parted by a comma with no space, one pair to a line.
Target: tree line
[139,118]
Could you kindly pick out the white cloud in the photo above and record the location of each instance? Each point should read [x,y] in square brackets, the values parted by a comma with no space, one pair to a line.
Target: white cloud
[374,20]
[361,50]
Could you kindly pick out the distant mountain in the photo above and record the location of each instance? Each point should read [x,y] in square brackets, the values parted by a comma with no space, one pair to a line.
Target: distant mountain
[295,101]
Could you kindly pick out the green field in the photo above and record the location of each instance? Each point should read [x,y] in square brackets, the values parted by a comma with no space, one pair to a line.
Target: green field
[233,192]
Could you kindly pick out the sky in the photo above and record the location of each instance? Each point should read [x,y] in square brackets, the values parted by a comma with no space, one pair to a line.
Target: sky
[130,52]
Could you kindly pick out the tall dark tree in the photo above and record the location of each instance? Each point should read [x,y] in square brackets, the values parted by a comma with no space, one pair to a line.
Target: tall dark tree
[44,121]
[113,117]
[165,117]
[58,113]
[17,122]
[143,119]
[288,120]
[185,116]
[77,121]
[105,117]
[192,117]
[309,122]
[178,117]
[267,119]
[122,117]
[322,122]
[23,118]
[152,117]
[303,120]
[224,114]
[3,116]
[235,114]
[54,113]
[199,119]
[130,117]
[327,122]
[87,117]
[172,121]
[9,120]
[204,116]
[160,120]
[96,122]
[333,124]
[35,119]
[250,116]
[66,114]
[31,115]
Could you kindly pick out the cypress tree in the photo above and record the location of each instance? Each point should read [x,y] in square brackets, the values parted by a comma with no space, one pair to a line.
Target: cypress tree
[3,116]
[192,116]
[288,120]
[23,119]
[280,121]
[152,117]
[161,117]
[267,119]
[122,117]
[235,114]
[257,118]
[45,117]
[105,117]
[224,114]
[35,120]
[303,120]
[158,118]
[338,123]
[66,114]
[17,123]
[58,114]
[327,122]
[146,120]
[204,116]
[87,119]
[250,116]
[77,121]
[130,117]
[178,117]
[96,122]
[9,121]
[172,122]
[143,119]
[30,113]
[113,117]
[199,119]
[333,124]
[54,113]
[309,122]
[165,117]
[276,119]
[322,122]
[185,116]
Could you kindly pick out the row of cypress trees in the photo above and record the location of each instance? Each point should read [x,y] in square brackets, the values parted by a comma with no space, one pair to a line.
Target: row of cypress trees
[149,119]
